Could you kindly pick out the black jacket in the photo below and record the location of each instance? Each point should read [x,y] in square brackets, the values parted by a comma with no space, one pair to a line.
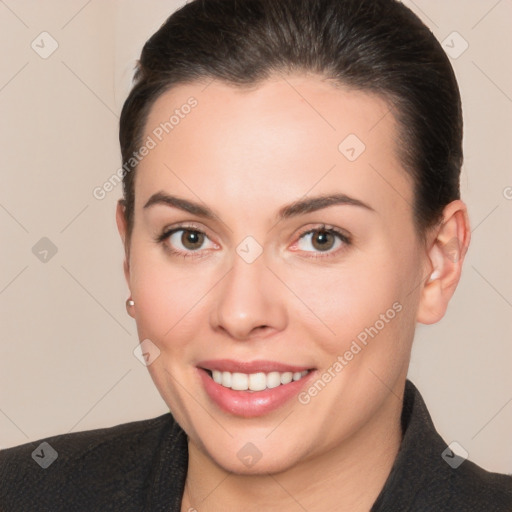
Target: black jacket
[142,465]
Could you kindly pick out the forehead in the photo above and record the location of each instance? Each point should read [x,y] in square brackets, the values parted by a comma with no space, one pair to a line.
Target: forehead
[275,141]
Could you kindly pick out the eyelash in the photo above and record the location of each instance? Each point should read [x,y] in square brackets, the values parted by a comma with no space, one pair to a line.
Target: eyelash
[197,254]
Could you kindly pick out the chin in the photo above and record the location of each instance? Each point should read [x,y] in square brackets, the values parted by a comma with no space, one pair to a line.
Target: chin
[264,466]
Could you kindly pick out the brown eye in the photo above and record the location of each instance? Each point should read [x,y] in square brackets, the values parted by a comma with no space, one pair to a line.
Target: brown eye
[185,242]
[323,240]
[191,240]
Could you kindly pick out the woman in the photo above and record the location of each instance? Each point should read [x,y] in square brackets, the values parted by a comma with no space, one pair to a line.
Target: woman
[291,210]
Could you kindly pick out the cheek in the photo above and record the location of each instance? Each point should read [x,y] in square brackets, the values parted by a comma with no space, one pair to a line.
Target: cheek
[168,296]
[343,300]
[363,310]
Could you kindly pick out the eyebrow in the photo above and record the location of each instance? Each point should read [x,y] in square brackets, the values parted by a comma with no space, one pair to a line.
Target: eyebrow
[300,207]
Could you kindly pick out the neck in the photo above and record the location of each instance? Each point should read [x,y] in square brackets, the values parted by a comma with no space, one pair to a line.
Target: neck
[349,477]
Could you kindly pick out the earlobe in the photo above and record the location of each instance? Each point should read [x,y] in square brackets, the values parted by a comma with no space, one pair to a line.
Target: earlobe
[444,262]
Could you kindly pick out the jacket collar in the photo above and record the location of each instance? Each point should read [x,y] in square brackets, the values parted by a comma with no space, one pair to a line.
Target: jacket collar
[418,465]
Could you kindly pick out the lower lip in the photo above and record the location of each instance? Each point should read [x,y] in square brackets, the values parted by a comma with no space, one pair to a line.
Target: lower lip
[249,404]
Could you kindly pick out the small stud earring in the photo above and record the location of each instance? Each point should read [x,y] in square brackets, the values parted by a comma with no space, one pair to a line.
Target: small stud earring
[129,304]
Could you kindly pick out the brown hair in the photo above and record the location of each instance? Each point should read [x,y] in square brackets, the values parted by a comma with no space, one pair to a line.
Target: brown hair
[379,46]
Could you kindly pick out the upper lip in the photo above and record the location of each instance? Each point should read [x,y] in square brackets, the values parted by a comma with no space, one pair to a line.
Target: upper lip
[265,366]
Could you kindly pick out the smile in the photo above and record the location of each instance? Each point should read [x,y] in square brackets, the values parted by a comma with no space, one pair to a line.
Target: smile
[249,393]
[255,381]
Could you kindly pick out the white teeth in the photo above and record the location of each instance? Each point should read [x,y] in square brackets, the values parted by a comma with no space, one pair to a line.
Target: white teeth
[273,380]
[286,377]
[255,381]
[240,381]
[226,379]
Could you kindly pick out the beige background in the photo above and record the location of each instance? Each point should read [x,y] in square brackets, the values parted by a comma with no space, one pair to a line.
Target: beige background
[66,359]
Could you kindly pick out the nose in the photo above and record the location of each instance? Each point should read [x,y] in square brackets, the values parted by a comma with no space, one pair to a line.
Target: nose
[249,301]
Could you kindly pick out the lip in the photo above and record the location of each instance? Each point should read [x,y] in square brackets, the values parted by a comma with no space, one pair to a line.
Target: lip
[261,365]
[251,404]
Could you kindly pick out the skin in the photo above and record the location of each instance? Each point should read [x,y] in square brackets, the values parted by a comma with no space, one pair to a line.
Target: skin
[245,154]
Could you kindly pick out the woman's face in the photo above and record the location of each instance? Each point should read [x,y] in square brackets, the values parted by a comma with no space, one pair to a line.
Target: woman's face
[332,287]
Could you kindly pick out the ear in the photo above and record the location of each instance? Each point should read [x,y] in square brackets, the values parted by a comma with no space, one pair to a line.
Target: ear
[121,227]
[448,245]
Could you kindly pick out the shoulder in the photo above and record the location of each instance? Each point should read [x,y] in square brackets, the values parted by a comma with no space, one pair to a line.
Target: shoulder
[83,467]
[451,481]
[470,487]
[428,475]
[427,481]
